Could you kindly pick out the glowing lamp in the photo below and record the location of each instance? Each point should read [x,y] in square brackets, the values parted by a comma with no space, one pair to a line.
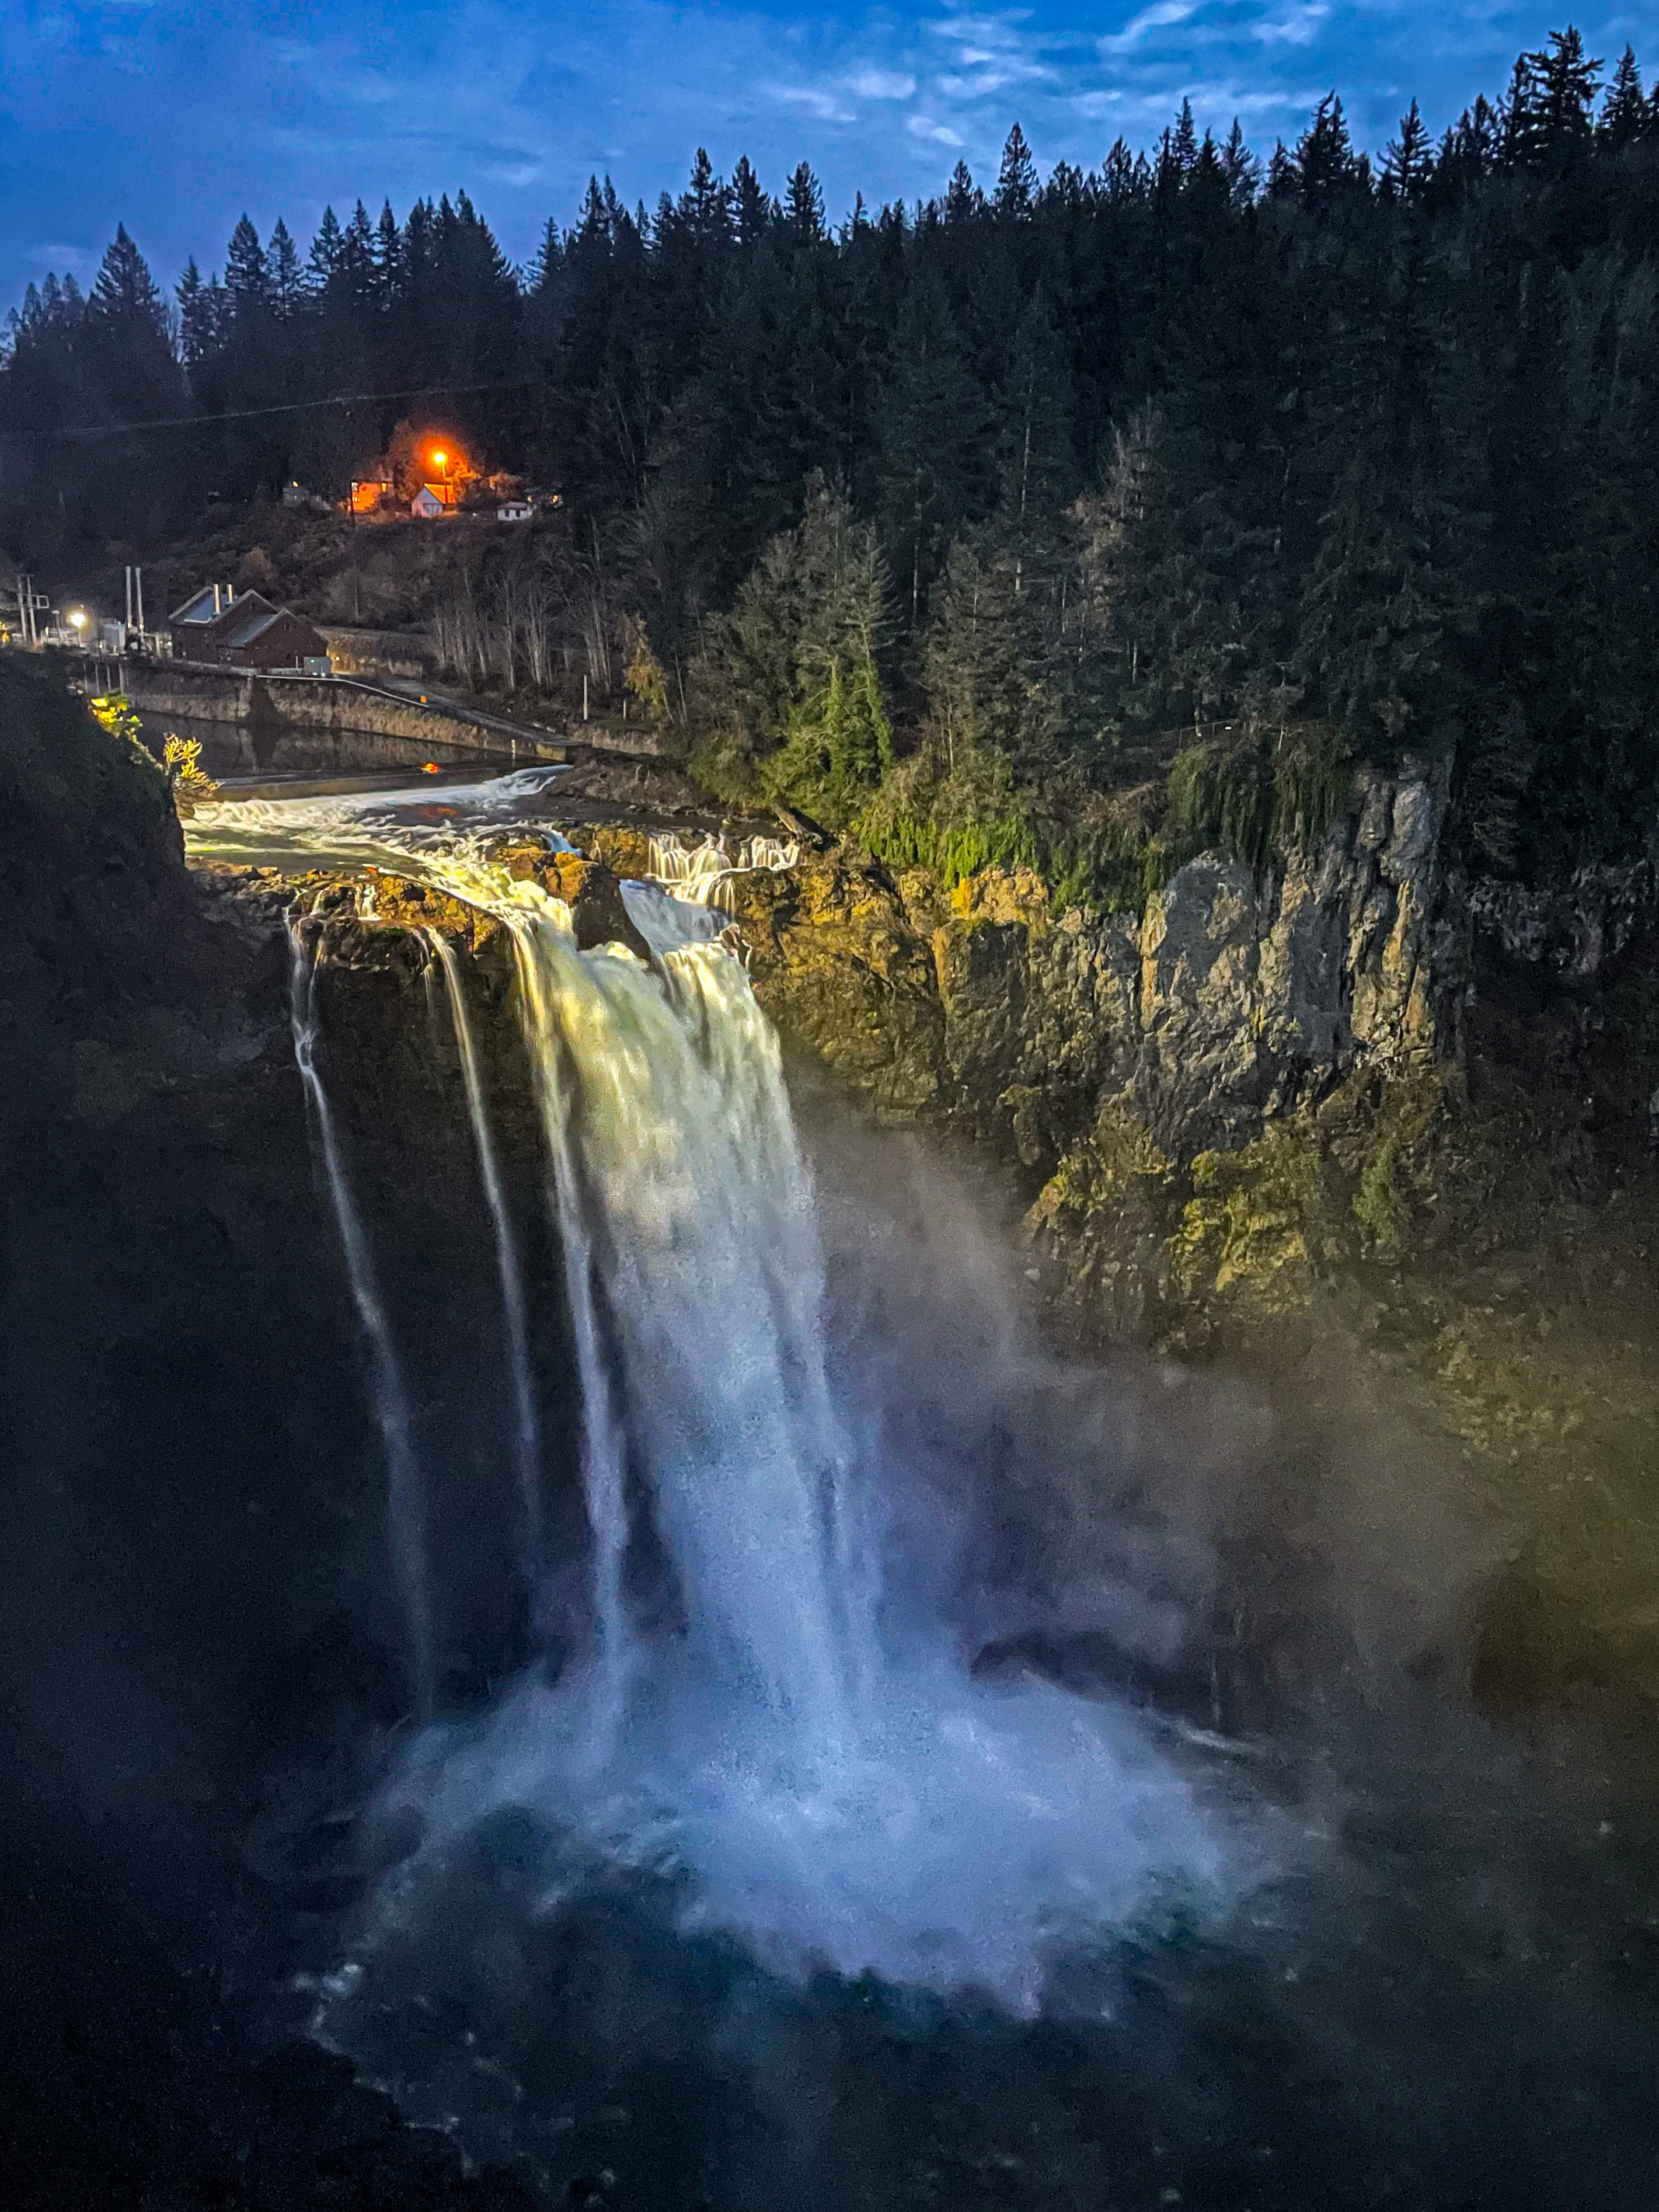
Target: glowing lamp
[78,619]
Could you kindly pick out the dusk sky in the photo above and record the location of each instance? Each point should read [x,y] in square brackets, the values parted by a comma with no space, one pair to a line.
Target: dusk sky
[174,116]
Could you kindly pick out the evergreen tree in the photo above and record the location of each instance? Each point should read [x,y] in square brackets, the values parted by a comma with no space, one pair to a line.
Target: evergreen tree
[1239,167]
[129,346]
[327,251]
[808,631]
[1624,112]
[963,198]
[803,207]
[751,210]
[1324,160]
[1410,160]
[287,286]
[1183,141]
[1017,180]
[247,273]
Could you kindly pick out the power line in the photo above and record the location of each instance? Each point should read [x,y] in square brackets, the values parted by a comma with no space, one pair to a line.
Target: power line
[288,407]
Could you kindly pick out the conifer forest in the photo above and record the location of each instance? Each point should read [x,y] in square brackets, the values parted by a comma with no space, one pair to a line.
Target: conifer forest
[969,523]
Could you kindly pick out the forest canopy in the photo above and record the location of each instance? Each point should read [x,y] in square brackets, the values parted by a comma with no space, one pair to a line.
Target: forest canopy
[967,522]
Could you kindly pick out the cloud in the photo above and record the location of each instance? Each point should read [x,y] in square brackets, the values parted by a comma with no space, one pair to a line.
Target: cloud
[60,257]
[827,107]
[1159,16]
[1295,27]
[881,84]
[923,126]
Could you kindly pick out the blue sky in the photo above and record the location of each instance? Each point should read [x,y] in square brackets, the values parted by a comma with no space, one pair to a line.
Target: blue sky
[174,116]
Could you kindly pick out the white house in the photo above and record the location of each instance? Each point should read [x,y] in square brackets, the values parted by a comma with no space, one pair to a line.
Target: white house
[515,510]
[427,504]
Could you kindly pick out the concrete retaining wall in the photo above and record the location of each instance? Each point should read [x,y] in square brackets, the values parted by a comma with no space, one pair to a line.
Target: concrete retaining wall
[325,714]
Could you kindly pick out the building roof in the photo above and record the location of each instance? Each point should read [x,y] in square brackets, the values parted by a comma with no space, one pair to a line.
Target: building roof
[204,606]
[248,622]
[238,622]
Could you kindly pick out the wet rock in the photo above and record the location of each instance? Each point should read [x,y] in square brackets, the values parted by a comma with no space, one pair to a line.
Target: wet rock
[624,849]
[594,897]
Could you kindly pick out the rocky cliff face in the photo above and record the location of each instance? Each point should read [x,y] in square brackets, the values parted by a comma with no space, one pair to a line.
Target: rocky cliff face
[1219,1100]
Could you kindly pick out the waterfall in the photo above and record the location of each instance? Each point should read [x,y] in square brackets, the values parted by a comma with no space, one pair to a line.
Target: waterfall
[405,1506]
[676,1180]
[702,874]
[540,966]
[526,1437]
[807,1758]
[763,1720]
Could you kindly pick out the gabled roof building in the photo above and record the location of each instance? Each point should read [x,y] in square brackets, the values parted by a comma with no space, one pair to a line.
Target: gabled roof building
[243,629]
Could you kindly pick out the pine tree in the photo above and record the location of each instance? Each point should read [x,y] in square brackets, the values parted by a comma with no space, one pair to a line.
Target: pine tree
[199,335]
[1240,167]
[1624,112]
[1548,113]
[1409,161]
[803,207]
[123,293]
[1118,172]
[247,273]
[326,249]
[128,345]
[705,206]
[1324,153]
[963,198]
[357,272]
[1183,141]
[288,285]
[808,633]
[388,252]
[752,209]
[1017,180]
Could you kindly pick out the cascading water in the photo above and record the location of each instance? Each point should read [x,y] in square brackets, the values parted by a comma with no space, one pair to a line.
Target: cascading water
[812,1767]
[526,1432]
[703,874]
[405,1506]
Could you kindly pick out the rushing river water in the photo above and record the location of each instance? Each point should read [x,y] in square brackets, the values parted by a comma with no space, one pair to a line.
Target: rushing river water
[872,1823]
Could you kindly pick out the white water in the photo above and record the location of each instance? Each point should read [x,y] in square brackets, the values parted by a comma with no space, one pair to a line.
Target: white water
[405,1505]
[703,874]
[526,1430]
[806,1759]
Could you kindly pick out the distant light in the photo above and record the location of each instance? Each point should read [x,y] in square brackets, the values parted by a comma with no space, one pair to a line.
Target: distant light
[78,619]
[438,459]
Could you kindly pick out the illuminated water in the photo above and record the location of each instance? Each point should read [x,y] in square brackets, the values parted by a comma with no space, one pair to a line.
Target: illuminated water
[812,1761]
[405,1507]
